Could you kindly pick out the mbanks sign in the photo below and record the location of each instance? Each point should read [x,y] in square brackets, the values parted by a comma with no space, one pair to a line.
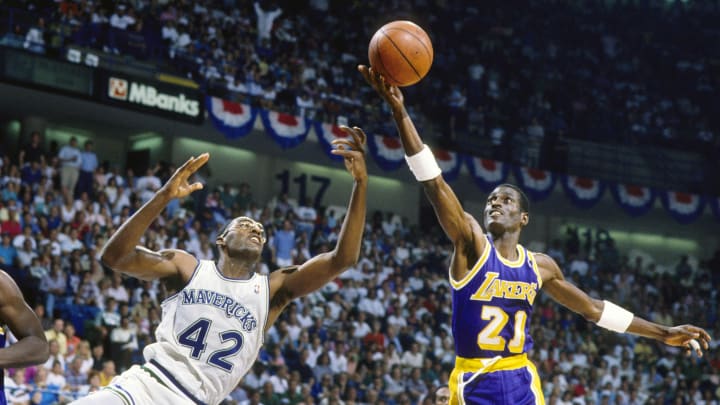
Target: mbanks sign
[152,96]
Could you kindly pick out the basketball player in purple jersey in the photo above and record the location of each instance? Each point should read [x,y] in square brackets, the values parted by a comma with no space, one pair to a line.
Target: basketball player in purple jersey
[31,347]
[495,281]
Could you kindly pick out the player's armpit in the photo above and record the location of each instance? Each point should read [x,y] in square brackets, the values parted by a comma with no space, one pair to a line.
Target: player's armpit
[565,293]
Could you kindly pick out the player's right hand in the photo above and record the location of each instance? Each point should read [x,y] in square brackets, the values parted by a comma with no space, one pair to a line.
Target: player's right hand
[178,186]
[391,94]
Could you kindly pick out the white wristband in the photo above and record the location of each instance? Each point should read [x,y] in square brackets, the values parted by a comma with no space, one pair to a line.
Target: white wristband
[423,165]
[615,318]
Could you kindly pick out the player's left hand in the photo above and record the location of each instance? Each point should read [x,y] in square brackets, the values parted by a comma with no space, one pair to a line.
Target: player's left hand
[684,335]
[353,152]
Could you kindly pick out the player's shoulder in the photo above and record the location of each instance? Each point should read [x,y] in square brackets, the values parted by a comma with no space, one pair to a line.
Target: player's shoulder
[544,261]
[8,287]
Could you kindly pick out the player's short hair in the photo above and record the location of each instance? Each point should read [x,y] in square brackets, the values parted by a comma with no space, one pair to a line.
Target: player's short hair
[524,201]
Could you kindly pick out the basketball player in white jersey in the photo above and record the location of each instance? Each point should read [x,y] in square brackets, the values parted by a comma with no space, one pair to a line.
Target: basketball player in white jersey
[212,329]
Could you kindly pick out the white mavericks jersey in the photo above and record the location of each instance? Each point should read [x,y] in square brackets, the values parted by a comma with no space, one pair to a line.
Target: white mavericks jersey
[210,334]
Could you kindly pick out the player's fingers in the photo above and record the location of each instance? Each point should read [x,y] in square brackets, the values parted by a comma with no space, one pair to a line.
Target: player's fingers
[199,161]
[359,136]
[196,186]
[347,144]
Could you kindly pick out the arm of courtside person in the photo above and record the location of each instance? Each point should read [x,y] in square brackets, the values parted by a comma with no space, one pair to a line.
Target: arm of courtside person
[448,209]
[32,346]
[611,316]
[122,253]
[323,268]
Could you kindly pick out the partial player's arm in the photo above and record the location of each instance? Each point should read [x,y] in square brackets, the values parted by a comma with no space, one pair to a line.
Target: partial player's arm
[32,346]
[453,218]
[291,283]
[610,316]
[122,253]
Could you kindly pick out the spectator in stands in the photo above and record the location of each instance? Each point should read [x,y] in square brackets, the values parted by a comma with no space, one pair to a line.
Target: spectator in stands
[32,151]
[70,160]
[35,37]
[89,163]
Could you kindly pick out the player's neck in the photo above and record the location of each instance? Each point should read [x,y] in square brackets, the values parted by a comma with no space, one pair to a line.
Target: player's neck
[235,268]
[506,244]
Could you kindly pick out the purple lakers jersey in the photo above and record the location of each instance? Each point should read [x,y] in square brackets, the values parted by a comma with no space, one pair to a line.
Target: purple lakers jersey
[492,305]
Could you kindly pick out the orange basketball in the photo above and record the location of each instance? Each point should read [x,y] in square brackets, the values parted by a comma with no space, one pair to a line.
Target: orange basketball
[402,52]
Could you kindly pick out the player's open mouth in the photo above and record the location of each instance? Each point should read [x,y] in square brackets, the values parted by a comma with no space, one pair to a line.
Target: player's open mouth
[495,213]
[255,239]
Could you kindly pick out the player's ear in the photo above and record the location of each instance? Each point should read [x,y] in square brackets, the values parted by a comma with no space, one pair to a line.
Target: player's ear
[220,240]
[524,218]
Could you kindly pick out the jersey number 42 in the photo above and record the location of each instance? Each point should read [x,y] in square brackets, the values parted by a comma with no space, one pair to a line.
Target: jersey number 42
[195,337]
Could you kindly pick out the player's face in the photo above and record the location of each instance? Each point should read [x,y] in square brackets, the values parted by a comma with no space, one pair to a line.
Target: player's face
[503,212]
[243,234]
[442,396]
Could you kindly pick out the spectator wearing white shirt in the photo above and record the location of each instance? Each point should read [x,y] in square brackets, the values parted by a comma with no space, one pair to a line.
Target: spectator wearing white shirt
[412,358]
[265,20]
[34,39]
[338,360]
[372,305]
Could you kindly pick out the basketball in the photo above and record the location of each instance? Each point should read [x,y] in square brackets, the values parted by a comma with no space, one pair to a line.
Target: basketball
[402,52]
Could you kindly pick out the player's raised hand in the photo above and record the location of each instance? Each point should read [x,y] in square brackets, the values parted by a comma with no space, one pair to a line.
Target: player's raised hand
[391,94]
[690,337]
[353,152]
[178,186]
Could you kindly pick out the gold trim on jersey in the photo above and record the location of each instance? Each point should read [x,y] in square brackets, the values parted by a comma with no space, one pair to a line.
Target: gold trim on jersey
[481,261]
[517,262]
[488,365]
[535,385]
[535,268]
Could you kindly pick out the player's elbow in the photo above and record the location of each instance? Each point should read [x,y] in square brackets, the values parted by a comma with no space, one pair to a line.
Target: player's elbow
[344,260]
[40,350]
[593,313]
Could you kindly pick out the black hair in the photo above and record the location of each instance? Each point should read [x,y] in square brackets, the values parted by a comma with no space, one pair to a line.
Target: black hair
[524,202]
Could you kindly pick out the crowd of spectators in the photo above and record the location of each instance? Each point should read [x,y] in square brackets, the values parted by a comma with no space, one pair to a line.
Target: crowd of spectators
[379,334]
[519,79]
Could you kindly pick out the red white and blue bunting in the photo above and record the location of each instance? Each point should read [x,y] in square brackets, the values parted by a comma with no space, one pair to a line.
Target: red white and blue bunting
[583,192]
[287,130]
[715,206]
[488,173]
[537,184]
[234,120]
[449,162]
[684,207]
[387,151]
[635,200]
[326,133]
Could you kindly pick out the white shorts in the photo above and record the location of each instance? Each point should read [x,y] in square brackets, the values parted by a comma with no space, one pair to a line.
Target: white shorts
[134,387]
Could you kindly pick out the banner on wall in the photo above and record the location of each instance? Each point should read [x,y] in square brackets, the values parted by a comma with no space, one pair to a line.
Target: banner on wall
[634,200]
[233,119]
[387,151]
[326,133]
[582,191]
[449,162]
[684,207]
[287,130]
[488,173]
[715,206]
[537,184]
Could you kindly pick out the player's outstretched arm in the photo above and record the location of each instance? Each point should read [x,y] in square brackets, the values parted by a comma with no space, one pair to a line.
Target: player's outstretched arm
[448,209]
[122,253]
[611,316]
[32,346]
[296,282]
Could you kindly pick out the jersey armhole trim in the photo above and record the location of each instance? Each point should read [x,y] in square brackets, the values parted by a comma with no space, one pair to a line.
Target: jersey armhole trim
[535,268]
[478,265]
[192,277]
